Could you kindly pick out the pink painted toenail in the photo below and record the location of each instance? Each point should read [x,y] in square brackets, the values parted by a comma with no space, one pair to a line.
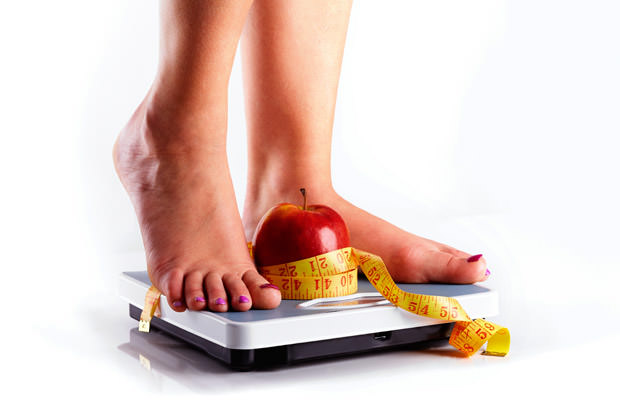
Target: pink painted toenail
[177,304]
[200,299]
[243,299]
[474,258]
[268,285]
[220,301]
[487,273]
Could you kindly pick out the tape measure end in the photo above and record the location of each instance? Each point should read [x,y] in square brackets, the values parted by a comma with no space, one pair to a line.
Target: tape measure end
[144,326]
[493,353]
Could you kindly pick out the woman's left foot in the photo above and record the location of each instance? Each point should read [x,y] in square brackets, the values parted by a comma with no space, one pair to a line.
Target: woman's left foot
[409,258]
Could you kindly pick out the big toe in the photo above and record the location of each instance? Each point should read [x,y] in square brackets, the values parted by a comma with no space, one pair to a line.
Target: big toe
[265,295]
[446,267]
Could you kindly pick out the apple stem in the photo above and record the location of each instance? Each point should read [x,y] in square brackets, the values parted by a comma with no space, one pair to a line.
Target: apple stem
[303,192]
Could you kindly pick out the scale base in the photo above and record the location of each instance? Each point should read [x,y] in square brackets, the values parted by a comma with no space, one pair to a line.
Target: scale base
[247,360]
[298,330]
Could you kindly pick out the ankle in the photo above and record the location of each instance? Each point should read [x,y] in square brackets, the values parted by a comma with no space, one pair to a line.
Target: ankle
[268,192]
[155,136]
[169,128]
[261,195]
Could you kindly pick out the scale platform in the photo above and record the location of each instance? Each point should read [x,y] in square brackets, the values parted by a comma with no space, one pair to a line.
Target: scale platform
[298,330]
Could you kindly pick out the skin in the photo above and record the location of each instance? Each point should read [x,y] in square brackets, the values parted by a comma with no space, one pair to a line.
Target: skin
[171,155]
[292,55]
[171,158]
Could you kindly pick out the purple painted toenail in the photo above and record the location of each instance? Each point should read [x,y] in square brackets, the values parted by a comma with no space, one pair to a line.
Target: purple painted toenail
[220,301]
[243,299]
[487,273]
[177,303]
[268,285]
[474,258]
[200,299]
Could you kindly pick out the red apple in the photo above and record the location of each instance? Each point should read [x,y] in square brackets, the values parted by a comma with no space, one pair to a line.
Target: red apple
[289,232]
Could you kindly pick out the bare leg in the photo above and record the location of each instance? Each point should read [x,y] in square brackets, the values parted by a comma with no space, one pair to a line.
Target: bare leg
[171,158]
[292,54]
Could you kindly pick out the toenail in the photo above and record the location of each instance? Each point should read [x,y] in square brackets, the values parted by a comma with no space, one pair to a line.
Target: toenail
[220,301]
[474,258]
[200,299]
[268,285]
[177,303]
[487,273]
[243,299]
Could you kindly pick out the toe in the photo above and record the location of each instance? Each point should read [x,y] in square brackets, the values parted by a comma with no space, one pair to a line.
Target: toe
[449,268]
[216,294]
[237,291]
[172,287]
[264,295]
[194,292]
[457,253]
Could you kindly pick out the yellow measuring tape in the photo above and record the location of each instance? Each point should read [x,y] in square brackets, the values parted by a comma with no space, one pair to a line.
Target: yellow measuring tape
[151,308]
[334,274]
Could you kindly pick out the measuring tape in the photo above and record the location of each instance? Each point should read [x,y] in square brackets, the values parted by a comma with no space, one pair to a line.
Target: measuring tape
[467,335]
[151,308]
[334,274]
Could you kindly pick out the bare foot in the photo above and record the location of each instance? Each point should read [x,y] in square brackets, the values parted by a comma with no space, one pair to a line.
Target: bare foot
[177,177]
[409,258]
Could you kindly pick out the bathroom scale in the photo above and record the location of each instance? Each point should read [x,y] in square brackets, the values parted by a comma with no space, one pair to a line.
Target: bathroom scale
[298,330]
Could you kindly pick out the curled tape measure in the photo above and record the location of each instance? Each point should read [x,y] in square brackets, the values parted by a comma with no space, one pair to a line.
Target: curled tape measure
[334,274]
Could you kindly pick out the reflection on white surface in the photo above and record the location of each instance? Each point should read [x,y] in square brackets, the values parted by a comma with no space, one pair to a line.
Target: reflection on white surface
[168,358]
[167,354]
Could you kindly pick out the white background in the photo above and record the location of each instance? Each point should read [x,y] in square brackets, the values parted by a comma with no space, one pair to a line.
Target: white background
[492,126]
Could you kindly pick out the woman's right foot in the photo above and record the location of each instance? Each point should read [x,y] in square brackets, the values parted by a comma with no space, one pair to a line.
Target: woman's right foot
[175,170]
[408,257]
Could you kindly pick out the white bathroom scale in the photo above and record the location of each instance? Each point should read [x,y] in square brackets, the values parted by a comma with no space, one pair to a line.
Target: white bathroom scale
[298,331]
